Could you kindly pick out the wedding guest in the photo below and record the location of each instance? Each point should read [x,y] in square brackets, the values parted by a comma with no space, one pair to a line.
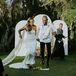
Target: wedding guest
[59,46]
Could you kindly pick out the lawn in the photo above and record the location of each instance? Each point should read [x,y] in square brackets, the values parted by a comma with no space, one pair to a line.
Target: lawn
[66,67]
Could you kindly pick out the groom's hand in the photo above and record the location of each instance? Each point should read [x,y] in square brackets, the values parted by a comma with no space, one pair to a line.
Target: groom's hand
[38,39]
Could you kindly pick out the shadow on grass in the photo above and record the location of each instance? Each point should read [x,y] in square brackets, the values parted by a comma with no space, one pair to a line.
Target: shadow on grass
[66,67]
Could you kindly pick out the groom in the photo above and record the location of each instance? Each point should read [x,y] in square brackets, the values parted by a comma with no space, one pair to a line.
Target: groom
[45,35]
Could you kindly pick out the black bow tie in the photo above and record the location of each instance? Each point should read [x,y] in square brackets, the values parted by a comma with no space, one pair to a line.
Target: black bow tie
[45,24]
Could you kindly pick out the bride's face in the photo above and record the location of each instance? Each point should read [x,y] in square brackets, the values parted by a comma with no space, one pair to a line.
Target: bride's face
[31,22]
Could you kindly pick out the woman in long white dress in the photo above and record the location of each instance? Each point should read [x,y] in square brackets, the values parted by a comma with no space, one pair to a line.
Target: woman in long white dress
[29,42]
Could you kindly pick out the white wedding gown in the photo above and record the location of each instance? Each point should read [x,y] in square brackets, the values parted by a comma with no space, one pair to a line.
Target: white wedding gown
[29,45]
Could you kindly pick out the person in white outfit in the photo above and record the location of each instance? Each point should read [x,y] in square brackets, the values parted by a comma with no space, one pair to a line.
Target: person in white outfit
[29,42]
[45,35]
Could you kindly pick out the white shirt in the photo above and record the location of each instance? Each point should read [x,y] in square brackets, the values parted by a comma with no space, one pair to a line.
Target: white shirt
[45,33]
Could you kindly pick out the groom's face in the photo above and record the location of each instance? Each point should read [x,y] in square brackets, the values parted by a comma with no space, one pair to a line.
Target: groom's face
[44,20]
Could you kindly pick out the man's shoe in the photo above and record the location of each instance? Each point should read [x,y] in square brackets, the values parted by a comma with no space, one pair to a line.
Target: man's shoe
[44,68]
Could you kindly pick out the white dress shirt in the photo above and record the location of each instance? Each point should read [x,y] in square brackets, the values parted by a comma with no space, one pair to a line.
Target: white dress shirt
[45,33]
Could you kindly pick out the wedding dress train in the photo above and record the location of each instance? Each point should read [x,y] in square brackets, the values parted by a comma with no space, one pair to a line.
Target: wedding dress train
[28,43]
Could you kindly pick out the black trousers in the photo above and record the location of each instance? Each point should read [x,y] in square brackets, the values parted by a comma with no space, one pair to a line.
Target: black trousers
[58,50]
[42,48]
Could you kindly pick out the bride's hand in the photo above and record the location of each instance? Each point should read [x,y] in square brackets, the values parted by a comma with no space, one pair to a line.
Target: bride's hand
[38,39]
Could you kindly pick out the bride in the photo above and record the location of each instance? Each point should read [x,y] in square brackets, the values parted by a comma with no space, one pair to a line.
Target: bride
[29,42]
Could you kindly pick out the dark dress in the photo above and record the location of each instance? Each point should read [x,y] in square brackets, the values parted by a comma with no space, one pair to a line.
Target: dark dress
[59,46]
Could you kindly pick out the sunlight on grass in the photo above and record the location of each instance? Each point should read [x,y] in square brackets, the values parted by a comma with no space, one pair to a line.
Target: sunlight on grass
[66,67]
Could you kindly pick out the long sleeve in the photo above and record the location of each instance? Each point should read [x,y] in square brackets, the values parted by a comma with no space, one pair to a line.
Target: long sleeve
[37,32]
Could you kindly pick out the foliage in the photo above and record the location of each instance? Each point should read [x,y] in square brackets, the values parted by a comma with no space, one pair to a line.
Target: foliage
[23,9]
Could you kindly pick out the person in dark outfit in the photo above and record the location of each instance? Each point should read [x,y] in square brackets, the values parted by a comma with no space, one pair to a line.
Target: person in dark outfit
[59,46]
[1,68]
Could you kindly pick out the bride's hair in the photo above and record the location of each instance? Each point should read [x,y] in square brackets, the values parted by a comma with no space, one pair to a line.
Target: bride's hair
[31,18]
[28,23]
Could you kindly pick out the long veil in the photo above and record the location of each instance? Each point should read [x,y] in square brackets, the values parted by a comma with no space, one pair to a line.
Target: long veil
[16,50]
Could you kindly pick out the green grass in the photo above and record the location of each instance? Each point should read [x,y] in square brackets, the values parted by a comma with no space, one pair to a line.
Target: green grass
[66,67]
